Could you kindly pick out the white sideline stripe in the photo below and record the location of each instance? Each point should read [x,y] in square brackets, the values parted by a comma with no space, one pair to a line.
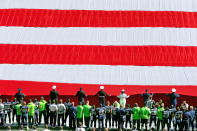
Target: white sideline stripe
[100,74]
[99,36]
[148,5]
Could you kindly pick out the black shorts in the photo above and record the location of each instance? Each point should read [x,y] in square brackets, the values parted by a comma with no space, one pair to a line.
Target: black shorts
[144,121]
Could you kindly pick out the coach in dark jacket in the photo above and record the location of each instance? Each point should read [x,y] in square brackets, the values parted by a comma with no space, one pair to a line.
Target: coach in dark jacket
[173,96]
[81,95]
[146,96]
[19,96]
[102,95]
[54,94]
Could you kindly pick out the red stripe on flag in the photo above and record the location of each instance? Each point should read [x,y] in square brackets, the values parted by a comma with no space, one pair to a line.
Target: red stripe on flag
[99,55]
[10,87]
[93,18]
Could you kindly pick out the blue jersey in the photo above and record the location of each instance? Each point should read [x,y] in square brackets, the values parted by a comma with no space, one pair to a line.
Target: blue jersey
[67,105]
[37,107]
[192,112]
[13,104]
[108,109]
[166,114]
[73,112]
[114,111]
[93,112]
[128,112]
[186,116]
[178,114]
[101,112]
[121,114]
[7,106]
[24,110]
[154,111]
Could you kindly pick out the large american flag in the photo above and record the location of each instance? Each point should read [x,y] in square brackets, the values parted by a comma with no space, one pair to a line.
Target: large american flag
[121,44]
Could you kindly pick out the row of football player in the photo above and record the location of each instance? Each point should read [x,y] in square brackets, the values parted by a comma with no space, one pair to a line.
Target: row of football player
[116,115]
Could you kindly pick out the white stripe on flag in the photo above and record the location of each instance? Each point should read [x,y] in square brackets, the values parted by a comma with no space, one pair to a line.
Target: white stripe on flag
[100,74]
[99,36]
[149,5]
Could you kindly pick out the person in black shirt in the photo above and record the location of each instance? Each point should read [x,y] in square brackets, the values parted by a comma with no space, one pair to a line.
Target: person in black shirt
[19,96]
[102,95]
[81,95]
[173,97]
[54,94]
[13,106]
[48,111]
[146,96]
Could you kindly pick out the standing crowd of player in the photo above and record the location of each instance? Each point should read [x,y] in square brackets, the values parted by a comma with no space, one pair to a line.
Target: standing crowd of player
[117,115]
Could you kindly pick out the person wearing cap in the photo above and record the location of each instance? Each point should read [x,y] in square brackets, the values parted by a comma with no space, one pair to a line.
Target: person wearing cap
[173,96]
[123,98]
[19,96]
[81,95]
[54,94]
[102,95]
